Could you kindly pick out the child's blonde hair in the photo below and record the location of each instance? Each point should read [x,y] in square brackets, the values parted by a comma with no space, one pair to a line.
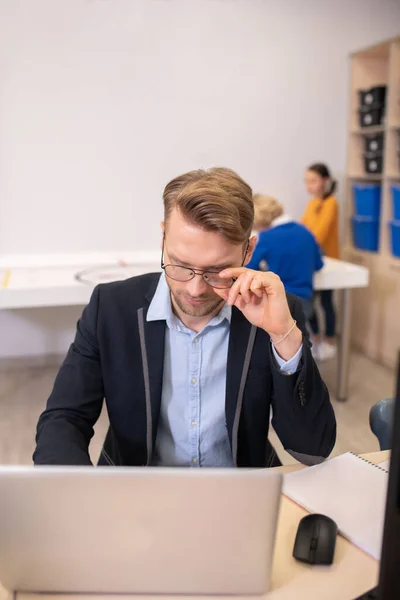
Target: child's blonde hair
[266,209]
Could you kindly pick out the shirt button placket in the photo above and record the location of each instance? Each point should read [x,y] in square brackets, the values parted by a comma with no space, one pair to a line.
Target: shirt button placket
[194,406]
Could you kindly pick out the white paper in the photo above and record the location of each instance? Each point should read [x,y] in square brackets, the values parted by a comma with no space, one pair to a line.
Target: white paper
[385,464]
[348,489]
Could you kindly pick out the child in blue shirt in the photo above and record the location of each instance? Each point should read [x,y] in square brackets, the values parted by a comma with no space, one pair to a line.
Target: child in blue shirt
[287,248]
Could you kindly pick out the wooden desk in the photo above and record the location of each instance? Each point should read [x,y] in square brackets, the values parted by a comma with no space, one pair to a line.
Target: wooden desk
[352,573]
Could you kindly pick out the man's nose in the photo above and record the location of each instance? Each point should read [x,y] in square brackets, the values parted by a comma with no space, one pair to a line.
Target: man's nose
[197,286]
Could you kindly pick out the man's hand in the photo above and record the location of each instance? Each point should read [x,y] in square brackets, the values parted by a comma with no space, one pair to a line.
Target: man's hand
[262,299]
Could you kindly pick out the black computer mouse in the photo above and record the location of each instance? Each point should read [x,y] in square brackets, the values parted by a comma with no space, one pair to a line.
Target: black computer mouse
[315,540]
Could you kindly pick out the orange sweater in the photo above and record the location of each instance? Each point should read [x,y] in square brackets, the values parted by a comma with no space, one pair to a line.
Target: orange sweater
[321,217]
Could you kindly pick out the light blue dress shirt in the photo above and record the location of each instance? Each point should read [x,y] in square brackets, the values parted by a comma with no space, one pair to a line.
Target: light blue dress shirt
[192,429]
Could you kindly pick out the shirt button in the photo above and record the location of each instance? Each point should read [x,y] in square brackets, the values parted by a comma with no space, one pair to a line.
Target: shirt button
[194,460]
[194,380]
[193,423]
[196,340]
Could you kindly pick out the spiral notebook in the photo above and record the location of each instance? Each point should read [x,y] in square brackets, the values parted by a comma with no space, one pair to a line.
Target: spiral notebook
[350,490]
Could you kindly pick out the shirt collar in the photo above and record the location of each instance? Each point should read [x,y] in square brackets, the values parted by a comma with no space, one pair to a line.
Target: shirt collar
[282,220]
[160,308]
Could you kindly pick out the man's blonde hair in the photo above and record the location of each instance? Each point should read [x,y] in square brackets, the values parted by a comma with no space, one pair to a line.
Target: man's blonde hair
[266,209]
[214,200]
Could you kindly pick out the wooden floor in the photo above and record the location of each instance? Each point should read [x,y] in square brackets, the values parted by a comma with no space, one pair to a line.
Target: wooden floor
[23,394]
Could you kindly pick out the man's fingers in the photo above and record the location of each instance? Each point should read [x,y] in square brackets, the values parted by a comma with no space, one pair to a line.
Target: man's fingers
[249,284]
[265,279]
[234,272]
[256,287]
[240,303]
[245,286]
[234,291]
[222,293]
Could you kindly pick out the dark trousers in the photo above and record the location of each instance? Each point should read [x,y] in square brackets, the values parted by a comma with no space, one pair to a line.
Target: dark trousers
[326,297]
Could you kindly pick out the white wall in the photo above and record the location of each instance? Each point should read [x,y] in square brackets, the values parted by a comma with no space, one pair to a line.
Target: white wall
[103,101]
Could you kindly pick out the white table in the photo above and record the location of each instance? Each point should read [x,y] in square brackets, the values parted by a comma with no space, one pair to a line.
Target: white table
[56,285]
[344,276]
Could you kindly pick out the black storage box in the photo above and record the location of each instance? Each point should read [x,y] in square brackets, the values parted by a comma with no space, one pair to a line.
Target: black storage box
[374,96]
[371,117]
[374,143]
[373,162]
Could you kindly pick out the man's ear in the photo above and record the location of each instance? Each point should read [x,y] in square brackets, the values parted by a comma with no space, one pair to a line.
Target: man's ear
[250,249]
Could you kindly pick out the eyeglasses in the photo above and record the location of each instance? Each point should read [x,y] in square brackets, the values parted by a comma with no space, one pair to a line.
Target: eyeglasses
[184,274]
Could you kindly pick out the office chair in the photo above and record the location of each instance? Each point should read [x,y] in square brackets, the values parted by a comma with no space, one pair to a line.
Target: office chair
[381,416]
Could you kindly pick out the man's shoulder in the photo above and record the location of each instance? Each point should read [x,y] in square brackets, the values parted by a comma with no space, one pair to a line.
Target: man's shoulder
[138,289]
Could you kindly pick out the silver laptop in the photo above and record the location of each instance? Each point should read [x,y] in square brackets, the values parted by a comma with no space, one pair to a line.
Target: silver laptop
[137,530]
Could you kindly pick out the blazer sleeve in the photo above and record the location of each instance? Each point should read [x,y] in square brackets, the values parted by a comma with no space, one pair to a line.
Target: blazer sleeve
[65,428]
[303,416]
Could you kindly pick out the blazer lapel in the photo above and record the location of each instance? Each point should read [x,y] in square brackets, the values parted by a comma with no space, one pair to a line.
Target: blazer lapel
[155,339]
[238,342]
[153,362]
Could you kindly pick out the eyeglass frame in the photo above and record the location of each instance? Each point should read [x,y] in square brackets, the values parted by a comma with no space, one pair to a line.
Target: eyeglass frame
[197,271]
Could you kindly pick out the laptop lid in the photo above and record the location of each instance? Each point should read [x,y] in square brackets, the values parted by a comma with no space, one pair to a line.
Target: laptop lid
[139,530]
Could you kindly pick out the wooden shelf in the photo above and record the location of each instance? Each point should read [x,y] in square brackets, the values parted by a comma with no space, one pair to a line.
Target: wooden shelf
[357,255]
[379,51]
[368,130]
[366,176]
[393,175]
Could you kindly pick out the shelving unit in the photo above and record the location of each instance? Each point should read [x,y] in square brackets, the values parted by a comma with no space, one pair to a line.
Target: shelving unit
[375,311]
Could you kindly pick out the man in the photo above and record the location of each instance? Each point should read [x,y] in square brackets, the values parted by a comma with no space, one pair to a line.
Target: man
[191,362]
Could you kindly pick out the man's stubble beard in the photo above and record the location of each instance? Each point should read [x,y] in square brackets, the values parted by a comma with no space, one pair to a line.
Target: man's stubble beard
[205,309]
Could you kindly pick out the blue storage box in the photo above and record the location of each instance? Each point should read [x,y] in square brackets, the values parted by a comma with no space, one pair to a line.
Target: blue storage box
[395,237]
[367,199]
[366,233]
[396,201]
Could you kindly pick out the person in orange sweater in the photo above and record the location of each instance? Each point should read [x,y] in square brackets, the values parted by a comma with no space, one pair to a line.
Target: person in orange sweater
[321,217]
